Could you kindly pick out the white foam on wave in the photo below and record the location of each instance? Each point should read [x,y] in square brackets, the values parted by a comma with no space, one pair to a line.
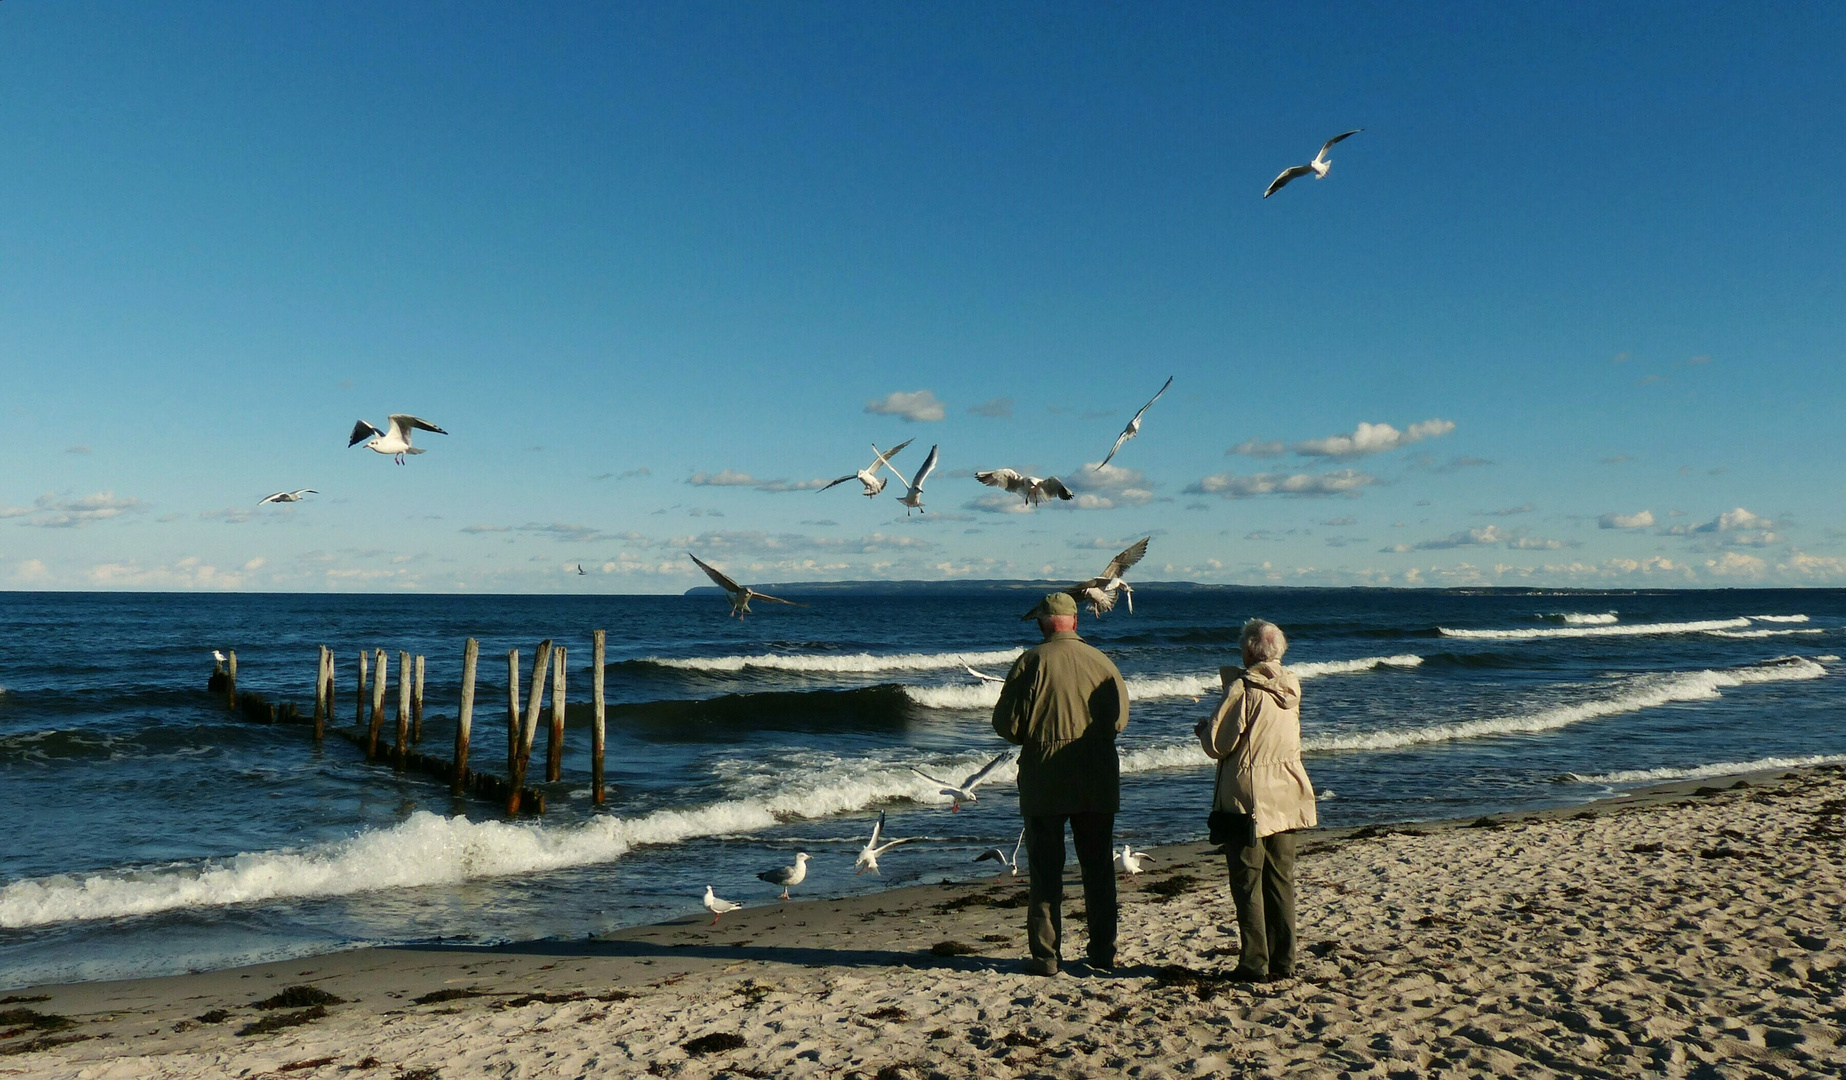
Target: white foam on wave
[1701,772]
[1581,618]
[1623,630]
[1148,688]
[1780,618]
[1762,633]
[844,663]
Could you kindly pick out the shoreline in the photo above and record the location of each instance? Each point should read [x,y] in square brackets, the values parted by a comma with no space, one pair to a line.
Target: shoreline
[939,962]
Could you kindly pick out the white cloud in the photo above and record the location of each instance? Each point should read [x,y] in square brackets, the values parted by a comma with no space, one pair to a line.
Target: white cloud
[997,409]
[1487,536]
[722,478]
[188,573]
[1642,520]
[1733,528]
[999,502]
[1813,566]
[1106,488]
[486,528]
[31,570]
[1365,439]
[54,512]
[914,405]
[1736,564]
[1512,511]
[1229,486]
[1258,448]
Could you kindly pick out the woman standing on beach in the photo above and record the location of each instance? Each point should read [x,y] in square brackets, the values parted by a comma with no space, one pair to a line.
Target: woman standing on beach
[1263,791]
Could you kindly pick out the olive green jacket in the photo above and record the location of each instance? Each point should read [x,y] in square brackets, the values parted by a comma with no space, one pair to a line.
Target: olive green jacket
[1062,703]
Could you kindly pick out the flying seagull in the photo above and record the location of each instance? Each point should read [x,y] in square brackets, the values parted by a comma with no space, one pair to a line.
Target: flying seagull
[999,856]
[1030,488]
[1099,591]
[718,905]
[964,791]
[981,675]
[787,876]
[913,491]
[1134,425]
[741,595]
[1318,166]
[1128,860]
[580,569]
[868,476]
[287,496]
[395,443]
[868,855]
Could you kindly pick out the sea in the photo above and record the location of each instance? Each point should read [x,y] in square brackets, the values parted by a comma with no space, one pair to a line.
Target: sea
[150,831]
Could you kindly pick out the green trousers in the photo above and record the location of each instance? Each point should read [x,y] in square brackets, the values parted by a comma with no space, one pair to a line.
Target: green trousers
[1092,835]
[1263,885]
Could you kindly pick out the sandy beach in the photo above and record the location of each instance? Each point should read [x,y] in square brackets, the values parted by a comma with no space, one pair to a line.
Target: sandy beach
[1693,929]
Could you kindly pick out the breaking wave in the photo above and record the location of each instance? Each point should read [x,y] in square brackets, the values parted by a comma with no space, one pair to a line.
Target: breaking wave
[1624,630]
[1702,772]
[841,663]
[1762,633]
[1147,688]
[1578,618]
[1780,618]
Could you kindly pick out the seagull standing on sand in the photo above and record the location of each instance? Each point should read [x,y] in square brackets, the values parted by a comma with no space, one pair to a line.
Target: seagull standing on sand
[396,442]
[1128,860]
[868,855]
[964,791]
[718,905]
[1318,166]
[741,595]
[1030,488]
[995,854]
[868,476]
[1134,424]
[913,491]
[787,876]
[287,496]
[1099,592]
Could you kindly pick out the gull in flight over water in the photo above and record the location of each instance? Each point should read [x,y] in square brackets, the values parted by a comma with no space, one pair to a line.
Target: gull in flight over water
[1099,591]
[580,569]
[913,491]
[999,856]
[1128,860]
[741,595]
[964,791]
[982,675]
[717,905]
[395,442]
[868,476]
[287,496]
[1030,488]
[868,855]
[1318,166]
[1134,425]
[787,876]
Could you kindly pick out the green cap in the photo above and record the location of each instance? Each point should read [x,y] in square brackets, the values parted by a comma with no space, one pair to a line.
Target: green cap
[1056,603]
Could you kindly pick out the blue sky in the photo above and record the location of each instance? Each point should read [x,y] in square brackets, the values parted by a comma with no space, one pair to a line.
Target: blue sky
[1576,297]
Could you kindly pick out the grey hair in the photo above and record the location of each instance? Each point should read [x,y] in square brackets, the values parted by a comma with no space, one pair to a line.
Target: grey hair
[1263,640]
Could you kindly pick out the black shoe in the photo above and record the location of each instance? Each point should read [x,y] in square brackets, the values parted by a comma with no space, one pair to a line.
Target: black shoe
[1279,974]
[1246,975]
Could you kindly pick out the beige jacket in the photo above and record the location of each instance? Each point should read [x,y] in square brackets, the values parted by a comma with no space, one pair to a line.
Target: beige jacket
[1255,735]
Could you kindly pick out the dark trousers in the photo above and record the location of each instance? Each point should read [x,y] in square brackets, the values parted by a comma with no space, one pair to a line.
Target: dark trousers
[1094,838]
[1263,885]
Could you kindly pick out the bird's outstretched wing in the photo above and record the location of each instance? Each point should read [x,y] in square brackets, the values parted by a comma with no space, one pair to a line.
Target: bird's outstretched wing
[1000,478]
[1120,564]
[1054,487]
[878,829]
[362,431]
[1127,433]
[754,595]
[999,759]
[1287,175]
[277,497]
[841,480]
[981,675]
[992,853]
[1328,145]
[1150,402]
[883,457]
[929,466]
[403,422]
[717,576]
[932,779]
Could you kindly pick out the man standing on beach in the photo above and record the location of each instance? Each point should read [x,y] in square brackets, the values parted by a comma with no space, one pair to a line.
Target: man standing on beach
[1063,704]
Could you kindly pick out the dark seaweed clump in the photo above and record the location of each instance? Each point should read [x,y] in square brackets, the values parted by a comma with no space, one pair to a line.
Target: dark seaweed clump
[300,997]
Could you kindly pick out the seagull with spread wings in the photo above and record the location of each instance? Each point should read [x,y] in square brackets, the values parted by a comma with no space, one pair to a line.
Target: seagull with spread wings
[396,442]
[1030,488]
[1318,166]
[287,496]
[1099,591]
[964,791]
[1134,425]
[868,476]
[998,855]
[912,498]
[740,595]
[868,855]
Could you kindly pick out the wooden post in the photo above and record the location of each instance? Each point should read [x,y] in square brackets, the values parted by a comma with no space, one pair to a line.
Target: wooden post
[471,654]
[416,705]
[512,710]
[401,747]
[359,714]
[596,729]
[379,678]
[530,727]
[323,692]
[554,746]
[230,673]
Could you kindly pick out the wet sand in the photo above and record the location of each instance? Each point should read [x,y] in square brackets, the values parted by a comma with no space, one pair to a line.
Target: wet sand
[1692,929]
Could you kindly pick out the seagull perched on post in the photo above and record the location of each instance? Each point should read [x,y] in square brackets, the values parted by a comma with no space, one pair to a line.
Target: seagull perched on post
[741,595]
[1099,591]
[787,876]
[287,496]
[396,442]
[913,491]
[964,791]
[1030,488]
[868,855]
[868,476]
[718,905]
[1134,424]
[995,854]
[1318,166]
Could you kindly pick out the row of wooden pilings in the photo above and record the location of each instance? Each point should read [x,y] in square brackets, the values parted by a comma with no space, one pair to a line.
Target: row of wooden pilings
[521,725]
